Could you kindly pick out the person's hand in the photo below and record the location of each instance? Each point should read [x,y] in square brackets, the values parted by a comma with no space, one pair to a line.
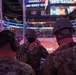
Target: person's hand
[32,46]
[38,43]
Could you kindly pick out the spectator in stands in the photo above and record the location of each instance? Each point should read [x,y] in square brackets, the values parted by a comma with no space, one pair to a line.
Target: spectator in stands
[63,60]
[8,63]
[32,51]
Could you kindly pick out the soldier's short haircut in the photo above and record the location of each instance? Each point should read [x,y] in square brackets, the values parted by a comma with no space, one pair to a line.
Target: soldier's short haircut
[6,36]
[64,33]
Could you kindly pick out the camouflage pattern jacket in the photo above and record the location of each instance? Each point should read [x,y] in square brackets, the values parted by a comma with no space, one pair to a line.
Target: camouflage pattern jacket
[32,57]
[10,66]
[62,61]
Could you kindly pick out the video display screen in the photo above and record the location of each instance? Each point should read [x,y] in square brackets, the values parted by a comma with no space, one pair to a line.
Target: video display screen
[61,11]
[62,1]
[34,1]
[57,11]
[52,1]
[70,9]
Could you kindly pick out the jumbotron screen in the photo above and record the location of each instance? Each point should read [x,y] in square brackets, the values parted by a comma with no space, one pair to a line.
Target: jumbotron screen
[34,1]
[52,1]
[56,10]
[40,3]
[62,1]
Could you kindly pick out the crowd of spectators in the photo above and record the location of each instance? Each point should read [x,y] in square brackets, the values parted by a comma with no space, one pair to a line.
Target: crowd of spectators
[42,33]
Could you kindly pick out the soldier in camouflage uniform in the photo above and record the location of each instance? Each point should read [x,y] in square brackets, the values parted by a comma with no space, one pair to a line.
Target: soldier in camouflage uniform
[63,60]
[8,63]
[32,51]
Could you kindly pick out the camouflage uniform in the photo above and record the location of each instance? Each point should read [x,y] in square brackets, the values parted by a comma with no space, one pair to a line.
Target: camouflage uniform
[32,57]
[10,66]
[62,61]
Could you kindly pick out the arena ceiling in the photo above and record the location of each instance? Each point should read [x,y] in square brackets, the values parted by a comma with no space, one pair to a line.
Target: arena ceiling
[13,9]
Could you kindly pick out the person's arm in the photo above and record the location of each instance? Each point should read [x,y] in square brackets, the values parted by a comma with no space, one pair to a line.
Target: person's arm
[21,54]
[48,67]
[43,50]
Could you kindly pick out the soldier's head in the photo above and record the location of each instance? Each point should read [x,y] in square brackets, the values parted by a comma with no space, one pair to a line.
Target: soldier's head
[8,37]
[30,35]
[63,29]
